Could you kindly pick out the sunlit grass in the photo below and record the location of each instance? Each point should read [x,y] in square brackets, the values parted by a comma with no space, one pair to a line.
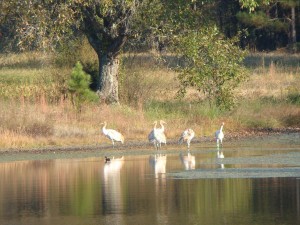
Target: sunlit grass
[34,111]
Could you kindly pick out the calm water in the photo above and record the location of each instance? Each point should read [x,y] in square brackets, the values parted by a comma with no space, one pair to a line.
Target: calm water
[251,182]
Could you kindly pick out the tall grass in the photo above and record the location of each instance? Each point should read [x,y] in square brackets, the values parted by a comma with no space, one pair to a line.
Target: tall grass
[35,109]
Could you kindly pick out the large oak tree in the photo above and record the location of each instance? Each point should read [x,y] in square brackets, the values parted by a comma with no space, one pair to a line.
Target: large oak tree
[105,23]
[108,23]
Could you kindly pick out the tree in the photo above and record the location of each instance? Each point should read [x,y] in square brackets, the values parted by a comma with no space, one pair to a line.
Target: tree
[107,29]
[106,24]
[212,65]
[78,86]
[273,18]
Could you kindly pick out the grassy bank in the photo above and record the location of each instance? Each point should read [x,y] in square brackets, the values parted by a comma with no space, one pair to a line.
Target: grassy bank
[36,111]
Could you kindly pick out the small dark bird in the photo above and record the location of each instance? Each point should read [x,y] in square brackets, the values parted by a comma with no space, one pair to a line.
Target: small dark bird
[107,159]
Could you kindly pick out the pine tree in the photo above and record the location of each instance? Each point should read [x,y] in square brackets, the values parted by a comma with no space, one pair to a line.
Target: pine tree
[78,86]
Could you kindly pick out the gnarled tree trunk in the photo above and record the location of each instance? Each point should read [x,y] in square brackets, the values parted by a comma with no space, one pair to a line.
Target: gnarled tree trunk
[107,31]
[293,30]
[108,77]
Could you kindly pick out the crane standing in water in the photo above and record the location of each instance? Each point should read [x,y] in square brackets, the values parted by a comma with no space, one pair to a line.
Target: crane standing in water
[187,136]
[111,134]
[157,135]
[220,135]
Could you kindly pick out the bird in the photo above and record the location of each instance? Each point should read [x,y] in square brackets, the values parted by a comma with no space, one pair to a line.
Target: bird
[157,135]
[187,136]
[162,127]
[161,137]
[111,134]
[151,137]
[106,159]
[220,135]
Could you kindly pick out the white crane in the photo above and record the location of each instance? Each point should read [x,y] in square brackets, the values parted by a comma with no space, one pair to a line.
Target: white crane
[151,137]
[220,135]
[187,136]
[111,134]
[157,135]
[162,127]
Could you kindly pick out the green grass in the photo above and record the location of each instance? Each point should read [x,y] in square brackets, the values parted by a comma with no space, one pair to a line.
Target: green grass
[34,112]
[180,109]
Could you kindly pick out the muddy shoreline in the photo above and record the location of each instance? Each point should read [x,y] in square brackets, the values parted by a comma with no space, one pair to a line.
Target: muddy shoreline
[141,144]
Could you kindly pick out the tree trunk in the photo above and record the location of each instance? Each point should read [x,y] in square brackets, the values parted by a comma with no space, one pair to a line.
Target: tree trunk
[108,79]
[293,29]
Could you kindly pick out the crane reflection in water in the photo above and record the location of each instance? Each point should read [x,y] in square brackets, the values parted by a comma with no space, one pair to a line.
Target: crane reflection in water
[219,158]
[188,161]
[158,162]
[111,191]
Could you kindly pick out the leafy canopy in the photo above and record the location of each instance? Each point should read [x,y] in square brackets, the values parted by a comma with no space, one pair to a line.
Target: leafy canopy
[213,65]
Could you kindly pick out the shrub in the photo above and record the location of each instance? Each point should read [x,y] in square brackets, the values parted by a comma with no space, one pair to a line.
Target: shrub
[213,65]
[79,87]
[293,96]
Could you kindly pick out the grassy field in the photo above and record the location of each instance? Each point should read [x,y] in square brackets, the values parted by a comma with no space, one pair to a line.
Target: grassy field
[35,110]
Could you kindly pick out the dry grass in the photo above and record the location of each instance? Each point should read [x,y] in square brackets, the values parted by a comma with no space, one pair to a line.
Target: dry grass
[34,113]
[34,125]
[265,98]
[270,82]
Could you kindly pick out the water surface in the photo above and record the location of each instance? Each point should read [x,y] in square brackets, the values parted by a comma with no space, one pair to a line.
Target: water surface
[245,182]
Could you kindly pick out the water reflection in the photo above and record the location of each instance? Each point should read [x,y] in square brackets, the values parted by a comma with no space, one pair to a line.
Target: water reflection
[188,161]
[90,191]
[158,162]
[298,197]
[220,157]
[111,186]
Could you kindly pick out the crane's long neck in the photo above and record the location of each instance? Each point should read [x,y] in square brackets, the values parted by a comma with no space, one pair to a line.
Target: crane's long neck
[104,127]
[221,129]
[162,126]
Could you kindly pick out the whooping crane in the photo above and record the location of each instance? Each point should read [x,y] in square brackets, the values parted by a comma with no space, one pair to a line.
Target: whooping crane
[113,135]
[220,135]
[187,136]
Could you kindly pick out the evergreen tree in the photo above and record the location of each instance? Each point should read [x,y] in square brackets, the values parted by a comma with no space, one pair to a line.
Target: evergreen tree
[78,85]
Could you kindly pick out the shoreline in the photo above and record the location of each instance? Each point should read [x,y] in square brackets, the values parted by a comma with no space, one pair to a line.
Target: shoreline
[130,145]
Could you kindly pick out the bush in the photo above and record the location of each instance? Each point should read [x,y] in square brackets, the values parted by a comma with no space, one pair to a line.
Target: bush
[213,65]
[79,87]
[293,96]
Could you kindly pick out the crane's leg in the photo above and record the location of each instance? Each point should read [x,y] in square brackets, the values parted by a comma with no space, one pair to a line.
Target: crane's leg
[113,143]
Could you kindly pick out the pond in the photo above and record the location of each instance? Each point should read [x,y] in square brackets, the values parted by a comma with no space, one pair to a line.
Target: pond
[254,181]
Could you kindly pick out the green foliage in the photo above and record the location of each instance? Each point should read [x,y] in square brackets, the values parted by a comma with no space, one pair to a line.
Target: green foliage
[181,109]
[79,87]
[293,96]
[261,20]
[251,5]
[213,65]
